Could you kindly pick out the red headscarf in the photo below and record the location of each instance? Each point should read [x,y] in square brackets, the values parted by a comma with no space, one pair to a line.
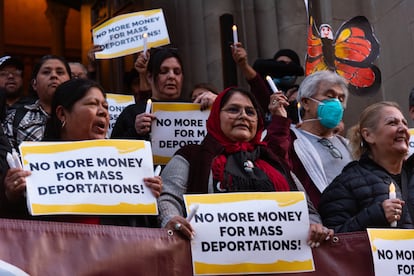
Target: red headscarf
[219,163]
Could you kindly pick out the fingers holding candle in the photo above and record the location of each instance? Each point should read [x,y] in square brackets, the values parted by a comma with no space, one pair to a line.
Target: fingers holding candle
[143,123]
[277,104]
[393,210]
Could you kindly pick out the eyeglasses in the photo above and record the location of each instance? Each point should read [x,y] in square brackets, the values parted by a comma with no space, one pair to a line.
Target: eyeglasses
[79,76]
[334,151]
[5,74]
[236,111]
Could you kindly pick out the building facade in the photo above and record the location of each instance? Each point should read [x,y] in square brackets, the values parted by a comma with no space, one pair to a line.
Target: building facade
[200,30]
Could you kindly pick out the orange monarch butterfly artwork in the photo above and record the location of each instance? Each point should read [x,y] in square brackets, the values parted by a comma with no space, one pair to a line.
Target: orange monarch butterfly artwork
[350,53]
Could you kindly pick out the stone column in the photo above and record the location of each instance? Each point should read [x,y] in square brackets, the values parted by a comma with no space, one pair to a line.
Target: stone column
[292,26]
[57,14]
[267,28]
[213,9]
[197,45]
[86,40]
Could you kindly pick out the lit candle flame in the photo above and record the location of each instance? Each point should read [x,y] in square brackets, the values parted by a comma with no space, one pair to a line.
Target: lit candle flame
[148,107]
[235,36]
[392,188]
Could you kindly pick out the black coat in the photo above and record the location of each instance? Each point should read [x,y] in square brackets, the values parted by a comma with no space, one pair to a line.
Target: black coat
[353,201]
[408,186]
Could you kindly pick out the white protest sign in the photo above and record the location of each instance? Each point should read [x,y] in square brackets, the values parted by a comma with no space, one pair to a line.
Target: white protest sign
[124,35]
[7,269]
[239,233]
[89,177]
[411,142]
[116,104]
[177,125]
[392,251]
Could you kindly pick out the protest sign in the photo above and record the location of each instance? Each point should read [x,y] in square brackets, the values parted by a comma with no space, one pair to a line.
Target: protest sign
[124,34]
[392,251]
[116,104]
[411,142]
[177,125]
[89,177]
[243,233]
[11,270]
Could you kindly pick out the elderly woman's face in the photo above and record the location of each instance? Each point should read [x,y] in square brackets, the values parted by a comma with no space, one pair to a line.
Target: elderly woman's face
[238,118]
[88,119]
[391,136]
[170,80]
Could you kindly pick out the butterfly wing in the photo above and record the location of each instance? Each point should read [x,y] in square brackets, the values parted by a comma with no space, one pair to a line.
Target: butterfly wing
[362,80]
[355,42]
[356,48]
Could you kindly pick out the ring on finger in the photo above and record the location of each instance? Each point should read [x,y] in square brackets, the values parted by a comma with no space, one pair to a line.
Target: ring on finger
[274,102]
[177,226]
[395,217]
[15,182]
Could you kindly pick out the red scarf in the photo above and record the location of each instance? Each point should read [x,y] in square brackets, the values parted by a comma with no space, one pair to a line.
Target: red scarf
[219,163]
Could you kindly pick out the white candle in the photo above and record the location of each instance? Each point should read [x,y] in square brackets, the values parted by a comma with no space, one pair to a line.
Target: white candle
[157,170]
[235,38]
[192,212]
[148,107]
[392,195]
[145,47]
[16,158]
[10,160]
[272,84]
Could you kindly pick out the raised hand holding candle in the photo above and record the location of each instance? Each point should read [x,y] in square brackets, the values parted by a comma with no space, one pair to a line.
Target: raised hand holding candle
[235,37]
[145,47]
[272,84]
[392,195]
[148,106]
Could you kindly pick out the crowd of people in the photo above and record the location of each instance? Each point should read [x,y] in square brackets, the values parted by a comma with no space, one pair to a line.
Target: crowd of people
[291,138]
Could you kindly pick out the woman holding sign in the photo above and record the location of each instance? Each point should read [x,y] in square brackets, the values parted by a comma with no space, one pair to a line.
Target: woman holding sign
[231,158]
[164,73]
[79,112]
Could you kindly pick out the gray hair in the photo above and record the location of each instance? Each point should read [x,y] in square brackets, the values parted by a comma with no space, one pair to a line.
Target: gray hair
[311,84]
[83,67]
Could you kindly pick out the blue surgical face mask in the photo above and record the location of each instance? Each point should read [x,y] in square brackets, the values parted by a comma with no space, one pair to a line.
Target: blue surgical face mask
[330,112]
[285,82]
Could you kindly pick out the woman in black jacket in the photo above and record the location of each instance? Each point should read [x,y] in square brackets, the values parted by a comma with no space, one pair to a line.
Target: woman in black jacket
[359,197]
